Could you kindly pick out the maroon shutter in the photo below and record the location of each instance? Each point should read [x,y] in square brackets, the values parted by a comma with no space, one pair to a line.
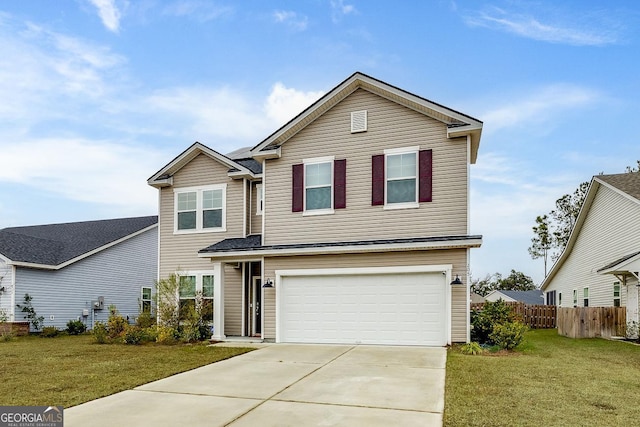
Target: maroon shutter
[340,184]
[377,180]
[298,188]
[425,166]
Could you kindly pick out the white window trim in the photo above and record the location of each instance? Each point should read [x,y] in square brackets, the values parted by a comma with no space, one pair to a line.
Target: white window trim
[199,210]
[575,297]
[142,298]
[559,299]
[392,152]
[586,288]
[313,161]
[259,199]
[619,297]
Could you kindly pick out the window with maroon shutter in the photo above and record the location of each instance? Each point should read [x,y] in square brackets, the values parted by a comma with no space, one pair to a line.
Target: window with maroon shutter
[319,186]
[298,188]
[402,178]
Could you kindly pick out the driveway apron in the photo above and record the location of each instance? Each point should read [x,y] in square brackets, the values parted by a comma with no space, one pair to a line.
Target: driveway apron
[287,385]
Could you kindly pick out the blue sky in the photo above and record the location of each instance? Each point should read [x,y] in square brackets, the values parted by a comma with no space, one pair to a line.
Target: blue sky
[96,96]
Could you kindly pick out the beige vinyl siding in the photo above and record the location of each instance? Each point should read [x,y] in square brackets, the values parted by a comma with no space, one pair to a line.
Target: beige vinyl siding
[232,300]
[456,257]
[389,126]
[610,231]
[181,251]
[255,221]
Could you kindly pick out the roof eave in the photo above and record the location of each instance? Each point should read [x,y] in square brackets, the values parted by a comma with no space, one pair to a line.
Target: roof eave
[274,153]
[327,250]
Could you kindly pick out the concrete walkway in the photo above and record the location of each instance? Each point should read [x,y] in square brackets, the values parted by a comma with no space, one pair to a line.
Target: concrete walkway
[287,385]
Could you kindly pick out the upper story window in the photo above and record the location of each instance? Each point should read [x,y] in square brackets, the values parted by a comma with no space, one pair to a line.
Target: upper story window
[259,199]
[585,297]
[319,186]
[401,178]
[200,209]
[318,180]
[616,294]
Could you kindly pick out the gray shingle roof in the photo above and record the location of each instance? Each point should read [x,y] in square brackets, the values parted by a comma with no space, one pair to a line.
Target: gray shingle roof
[55,244]
[527,297]
[627,182]
[253,242]
[243,156]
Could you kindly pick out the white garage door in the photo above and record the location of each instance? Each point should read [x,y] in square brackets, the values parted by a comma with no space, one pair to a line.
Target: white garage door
[401,309]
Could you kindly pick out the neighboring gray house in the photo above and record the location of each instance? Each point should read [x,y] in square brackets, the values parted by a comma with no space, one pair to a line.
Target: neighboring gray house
[533,297]
[600,266]
[77,270]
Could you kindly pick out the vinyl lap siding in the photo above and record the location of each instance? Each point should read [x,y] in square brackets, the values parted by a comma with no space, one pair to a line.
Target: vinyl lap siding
[6,273]
[389,126]
[180,252]
[609,232]
[456,257]
[117,273]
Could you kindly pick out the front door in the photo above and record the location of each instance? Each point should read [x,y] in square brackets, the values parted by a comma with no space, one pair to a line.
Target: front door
[256,307]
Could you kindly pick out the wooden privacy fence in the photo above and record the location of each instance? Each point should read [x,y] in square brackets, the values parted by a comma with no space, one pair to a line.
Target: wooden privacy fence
[592,322]
[536,316]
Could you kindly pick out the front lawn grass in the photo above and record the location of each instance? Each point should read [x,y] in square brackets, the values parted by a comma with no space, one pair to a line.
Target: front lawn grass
[70,370]
[551,381]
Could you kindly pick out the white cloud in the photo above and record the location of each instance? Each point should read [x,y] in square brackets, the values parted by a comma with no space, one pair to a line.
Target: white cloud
[101,172]
[109,14]
[588,34]
[284,103]
[201,11]
[539,105]
[340,9]
[292,19]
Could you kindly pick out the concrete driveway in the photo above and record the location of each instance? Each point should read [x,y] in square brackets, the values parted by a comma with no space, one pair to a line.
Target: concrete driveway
[287,385]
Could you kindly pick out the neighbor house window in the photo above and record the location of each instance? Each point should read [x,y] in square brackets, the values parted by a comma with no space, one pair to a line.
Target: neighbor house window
[259,199]
[196,291]
[616,294]
[145,300]
[575,297]
[559,299]
[401,178]
[551,298]
[200,209]
[319,186]
[585,297]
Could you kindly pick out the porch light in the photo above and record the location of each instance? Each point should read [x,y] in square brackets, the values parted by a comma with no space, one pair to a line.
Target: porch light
[268,284]
[457,281]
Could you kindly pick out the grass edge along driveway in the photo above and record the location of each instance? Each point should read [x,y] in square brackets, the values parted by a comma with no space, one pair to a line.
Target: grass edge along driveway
[551,381]
[70,370]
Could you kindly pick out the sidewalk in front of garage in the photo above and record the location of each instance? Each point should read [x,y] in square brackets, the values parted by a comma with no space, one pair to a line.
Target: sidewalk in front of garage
[287,385]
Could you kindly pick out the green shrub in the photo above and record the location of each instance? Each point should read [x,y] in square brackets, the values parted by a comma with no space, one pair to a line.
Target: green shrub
[508,335]
[49,332]
[116,326]
[133,335]
[166,335]
[145,320]
[100,332]
[483,321]
[76,327]
[150,334]
[471,348]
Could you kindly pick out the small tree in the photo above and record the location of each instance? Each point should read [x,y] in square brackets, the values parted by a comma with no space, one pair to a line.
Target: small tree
[542,242]
[167,291]
[30,312]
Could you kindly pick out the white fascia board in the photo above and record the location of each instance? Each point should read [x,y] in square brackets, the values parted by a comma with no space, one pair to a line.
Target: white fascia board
[5,259]
[383,247]
[275,153]
[586,205]
[338,271]
[83,256]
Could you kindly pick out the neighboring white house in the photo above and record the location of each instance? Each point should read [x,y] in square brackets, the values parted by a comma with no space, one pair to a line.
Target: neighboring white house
[600,265]
[533,297]
[77,270]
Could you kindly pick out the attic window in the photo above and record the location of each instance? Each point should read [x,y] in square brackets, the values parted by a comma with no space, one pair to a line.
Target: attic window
[359,121]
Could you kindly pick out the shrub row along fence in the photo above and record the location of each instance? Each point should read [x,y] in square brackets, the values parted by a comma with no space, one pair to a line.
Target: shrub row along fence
[535,316]
[592,322]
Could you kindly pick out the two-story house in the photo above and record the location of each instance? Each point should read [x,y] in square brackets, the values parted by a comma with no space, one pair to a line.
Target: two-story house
[349,224]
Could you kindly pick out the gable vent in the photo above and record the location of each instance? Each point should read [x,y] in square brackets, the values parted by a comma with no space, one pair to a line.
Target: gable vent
[359,121]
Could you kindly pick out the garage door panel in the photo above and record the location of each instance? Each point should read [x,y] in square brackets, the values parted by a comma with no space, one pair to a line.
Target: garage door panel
[368,309]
